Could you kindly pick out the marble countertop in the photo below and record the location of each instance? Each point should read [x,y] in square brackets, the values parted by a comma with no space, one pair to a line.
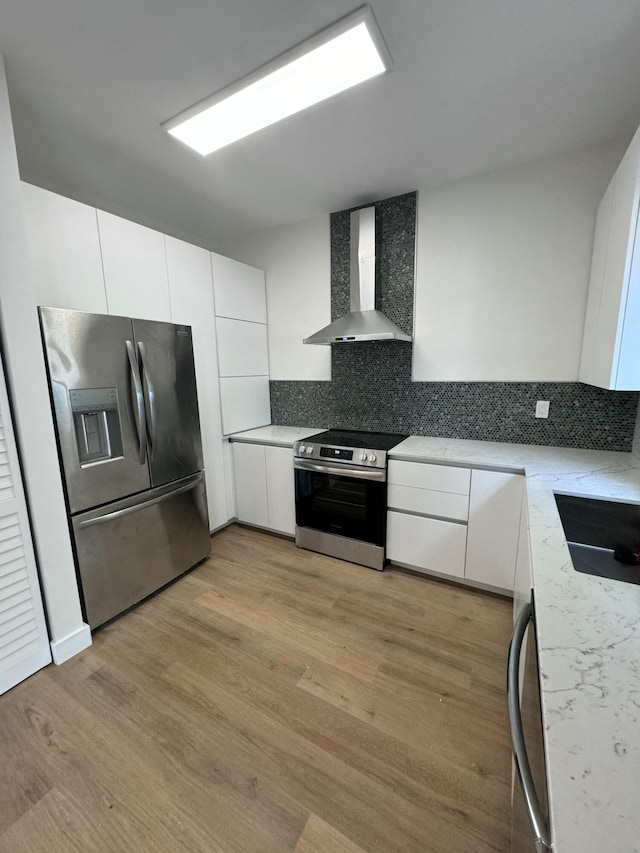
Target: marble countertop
[588,642]
[279,436]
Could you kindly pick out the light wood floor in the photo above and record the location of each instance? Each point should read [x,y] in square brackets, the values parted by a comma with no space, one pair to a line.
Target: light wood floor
[270,700]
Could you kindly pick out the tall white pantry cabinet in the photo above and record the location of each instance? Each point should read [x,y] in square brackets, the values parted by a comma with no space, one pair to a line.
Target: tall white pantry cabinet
[89,260]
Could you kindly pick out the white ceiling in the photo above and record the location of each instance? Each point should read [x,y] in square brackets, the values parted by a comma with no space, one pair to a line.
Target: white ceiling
[477,85]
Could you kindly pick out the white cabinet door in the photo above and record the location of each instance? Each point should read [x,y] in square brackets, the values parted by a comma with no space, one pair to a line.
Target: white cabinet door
[64,249]
[241,315]
[251,483]
[628,375]
[242,348]
[494,524]
[24,644]
[595,368]
[191,290]
[135,269]
[239,290]
[611,349]
[426,543]
[245,403]
[281,489]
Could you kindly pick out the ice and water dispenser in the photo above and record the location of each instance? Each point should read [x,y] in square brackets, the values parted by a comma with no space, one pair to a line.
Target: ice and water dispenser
[97,424]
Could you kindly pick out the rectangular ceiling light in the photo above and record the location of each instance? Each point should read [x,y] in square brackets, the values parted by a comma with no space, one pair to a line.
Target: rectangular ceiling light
[339,57]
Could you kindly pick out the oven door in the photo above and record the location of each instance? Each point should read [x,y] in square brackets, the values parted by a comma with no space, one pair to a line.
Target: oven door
[343,501]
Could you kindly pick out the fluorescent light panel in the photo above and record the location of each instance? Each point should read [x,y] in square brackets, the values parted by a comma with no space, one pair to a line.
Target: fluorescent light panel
[340,57]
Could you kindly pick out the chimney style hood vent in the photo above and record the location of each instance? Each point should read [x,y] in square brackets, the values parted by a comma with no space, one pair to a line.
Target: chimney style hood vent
[363,322]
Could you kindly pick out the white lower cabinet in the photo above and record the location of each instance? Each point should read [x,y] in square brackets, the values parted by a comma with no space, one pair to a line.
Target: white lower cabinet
[494,524]
[426,543]
[251,483]
[280,489]
[265,486]
[455,521]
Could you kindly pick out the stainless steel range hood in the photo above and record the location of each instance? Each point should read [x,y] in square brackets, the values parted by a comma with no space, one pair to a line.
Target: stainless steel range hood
[363,322]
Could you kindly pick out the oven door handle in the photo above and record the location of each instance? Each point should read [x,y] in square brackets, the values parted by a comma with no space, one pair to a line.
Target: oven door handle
[377,475]
[536,819]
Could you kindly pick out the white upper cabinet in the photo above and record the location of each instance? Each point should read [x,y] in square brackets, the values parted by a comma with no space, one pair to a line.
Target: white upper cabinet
[242,348]
[611,345]
[239,290]
[191,291]
[245,403]
[65,251]
[243,358]
[135,269]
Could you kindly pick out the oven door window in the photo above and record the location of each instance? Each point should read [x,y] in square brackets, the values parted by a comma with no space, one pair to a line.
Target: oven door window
[345,506]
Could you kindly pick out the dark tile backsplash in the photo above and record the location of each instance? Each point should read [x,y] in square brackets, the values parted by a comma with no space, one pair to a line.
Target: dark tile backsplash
[372,389]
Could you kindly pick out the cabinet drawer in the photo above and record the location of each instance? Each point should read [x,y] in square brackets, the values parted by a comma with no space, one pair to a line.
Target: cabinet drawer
[428,502]
[427,543]
[441,478]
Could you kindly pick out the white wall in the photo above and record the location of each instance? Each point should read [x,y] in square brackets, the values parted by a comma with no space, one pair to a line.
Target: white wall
[502,270]
[24,360]
[296,259]
[501,280]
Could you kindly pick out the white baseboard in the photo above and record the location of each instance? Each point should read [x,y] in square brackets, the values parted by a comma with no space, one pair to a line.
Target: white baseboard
[67,647]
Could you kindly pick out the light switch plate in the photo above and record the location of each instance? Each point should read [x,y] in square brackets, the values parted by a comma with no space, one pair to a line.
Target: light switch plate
[542,409]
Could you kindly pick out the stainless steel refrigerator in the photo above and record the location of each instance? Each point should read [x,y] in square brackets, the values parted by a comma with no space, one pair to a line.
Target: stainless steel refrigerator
[124,399]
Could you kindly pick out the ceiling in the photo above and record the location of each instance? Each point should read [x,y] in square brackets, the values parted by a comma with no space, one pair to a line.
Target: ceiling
[477,85]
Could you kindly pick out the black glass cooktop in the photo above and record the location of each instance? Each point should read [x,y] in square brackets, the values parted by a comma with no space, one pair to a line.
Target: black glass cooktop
[358,438]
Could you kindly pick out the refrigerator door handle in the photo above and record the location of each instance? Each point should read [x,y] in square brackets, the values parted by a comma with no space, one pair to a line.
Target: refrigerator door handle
[139,412]
[111,516]
[151,396]
[536,818]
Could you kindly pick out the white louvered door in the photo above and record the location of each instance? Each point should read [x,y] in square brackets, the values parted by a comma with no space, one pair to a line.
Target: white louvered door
[24,643]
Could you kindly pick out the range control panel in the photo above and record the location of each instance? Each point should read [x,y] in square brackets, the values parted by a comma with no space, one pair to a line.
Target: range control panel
[342,455]
[337,453]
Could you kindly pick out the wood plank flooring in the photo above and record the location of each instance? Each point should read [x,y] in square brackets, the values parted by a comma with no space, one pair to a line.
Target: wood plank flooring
[270,701]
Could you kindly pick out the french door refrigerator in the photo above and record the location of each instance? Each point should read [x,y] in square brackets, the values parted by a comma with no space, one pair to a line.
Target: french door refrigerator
[124,399]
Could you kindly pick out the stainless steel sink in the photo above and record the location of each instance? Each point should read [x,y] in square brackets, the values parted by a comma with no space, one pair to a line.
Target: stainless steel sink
[595,530]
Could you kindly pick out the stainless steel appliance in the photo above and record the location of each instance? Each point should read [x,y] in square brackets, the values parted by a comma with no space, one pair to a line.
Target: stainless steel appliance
[364,322]
[124,398]
[530,814]
[341,494]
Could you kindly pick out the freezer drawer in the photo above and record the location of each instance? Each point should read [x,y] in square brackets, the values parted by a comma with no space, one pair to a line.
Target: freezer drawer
[132,547]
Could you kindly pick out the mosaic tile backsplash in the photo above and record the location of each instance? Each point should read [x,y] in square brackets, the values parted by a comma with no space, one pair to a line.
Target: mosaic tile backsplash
[372,389]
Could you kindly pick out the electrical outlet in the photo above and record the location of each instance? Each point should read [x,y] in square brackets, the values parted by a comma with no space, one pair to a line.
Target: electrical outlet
[542,409]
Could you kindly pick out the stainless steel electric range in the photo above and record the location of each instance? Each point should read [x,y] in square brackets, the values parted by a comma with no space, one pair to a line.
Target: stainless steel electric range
[341,494]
